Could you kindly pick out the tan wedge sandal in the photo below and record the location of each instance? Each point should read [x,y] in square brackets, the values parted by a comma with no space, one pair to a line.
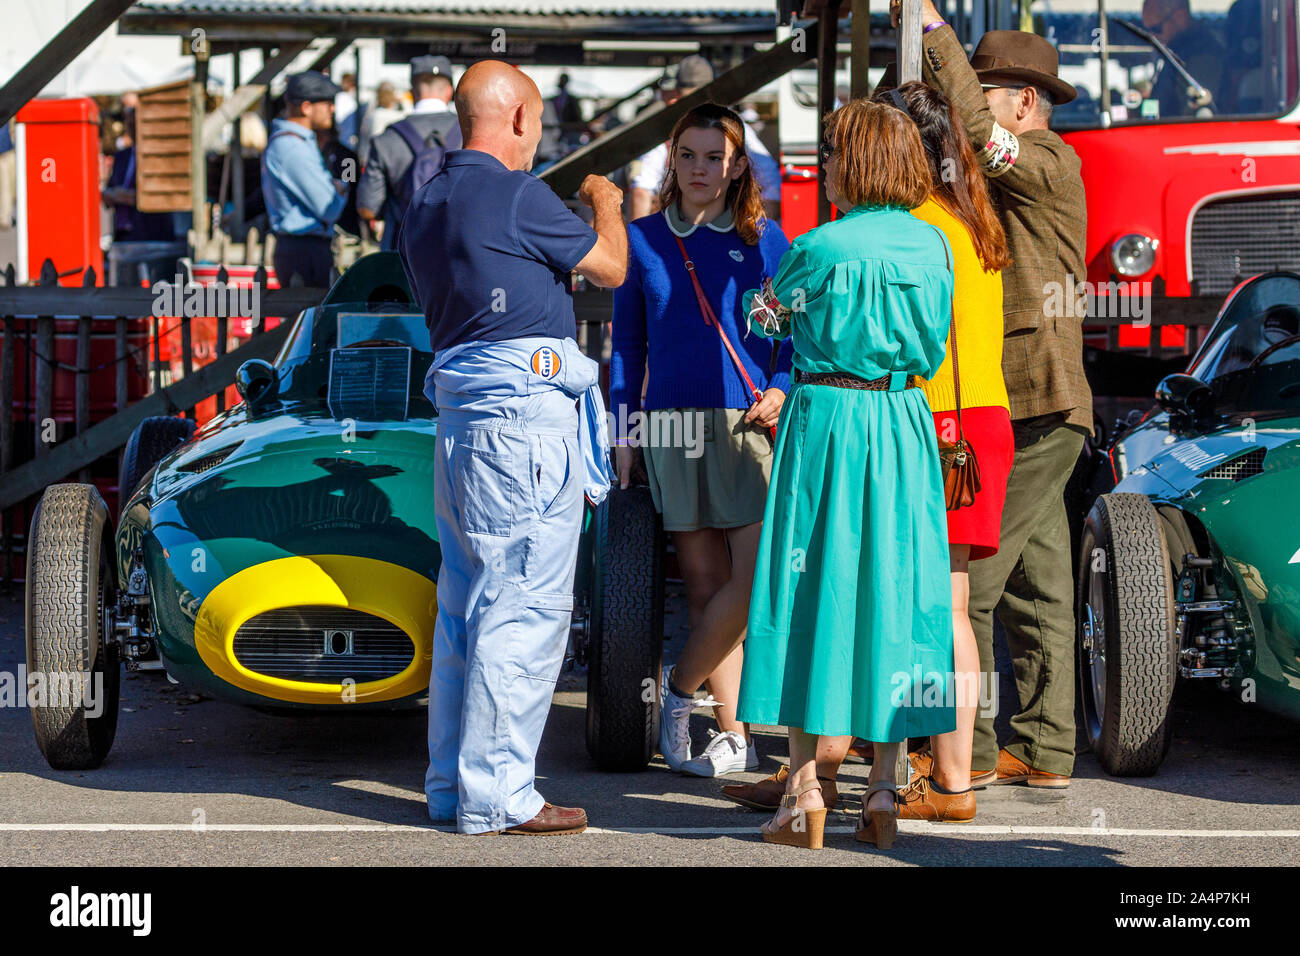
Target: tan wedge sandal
[806,828]
[882,827]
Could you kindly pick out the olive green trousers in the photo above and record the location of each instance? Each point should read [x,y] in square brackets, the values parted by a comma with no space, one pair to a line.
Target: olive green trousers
[1029,584]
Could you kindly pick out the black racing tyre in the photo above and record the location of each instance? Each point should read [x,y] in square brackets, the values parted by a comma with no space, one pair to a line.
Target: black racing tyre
[1127,648]
[152,440]
[71,589]
[626,636]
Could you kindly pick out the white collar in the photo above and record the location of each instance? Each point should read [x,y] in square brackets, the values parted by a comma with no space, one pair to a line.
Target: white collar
[431,104]
[724,222]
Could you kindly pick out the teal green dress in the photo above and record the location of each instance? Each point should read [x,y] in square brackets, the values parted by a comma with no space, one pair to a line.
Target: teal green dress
[850,622]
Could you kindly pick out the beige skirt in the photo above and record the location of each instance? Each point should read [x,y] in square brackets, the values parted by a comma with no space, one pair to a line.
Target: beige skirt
[707,468]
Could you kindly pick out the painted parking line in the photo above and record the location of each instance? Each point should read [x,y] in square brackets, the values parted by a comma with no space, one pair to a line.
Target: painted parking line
[909,826]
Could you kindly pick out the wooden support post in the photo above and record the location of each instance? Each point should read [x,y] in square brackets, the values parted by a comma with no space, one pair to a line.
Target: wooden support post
[198,171]
[222,331]
[84,29]
[236,155]
[156,323]
[187,351]
[860,56]
[827,58]
[82,413]
[44,361]
[909,42]
[7,385]
[121,365]
[332,53]
[259,320]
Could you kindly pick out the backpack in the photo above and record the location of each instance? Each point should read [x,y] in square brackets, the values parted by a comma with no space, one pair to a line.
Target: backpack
[428,152]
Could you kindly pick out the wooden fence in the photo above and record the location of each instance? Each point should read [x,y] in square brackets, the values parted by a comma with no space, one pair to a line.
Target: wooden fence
[36,448]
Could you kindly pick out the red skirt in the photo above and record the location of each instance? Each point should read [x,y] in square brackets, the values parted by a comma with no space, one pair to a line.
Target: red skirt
[988,430]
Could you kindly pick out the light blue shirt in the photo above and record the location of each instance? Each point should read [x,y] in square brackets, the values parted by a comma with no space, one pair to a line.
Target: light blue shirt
[299,191]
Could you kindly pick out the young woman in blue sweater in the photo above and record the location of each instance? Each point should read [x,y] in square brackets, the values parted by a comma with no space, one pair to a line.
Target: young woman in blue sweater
[705,436]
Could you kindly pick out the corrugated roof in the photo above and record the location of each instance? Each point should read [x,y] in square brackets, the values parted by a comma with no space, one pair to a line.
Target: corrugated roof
[595,8]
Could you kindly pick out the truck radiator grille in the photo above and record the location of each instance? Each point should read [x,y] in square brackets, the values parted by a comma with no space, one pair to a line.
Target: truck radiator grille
[1244,237]
[322,644]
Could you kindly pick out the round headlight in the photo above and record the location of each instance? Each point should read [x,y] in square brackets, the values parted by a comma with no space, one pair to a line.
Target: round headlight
[1134,254]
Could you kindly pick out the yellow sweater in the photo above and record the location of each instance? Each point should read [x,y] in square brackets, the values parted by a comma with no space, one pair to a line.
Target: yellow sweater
[977,317]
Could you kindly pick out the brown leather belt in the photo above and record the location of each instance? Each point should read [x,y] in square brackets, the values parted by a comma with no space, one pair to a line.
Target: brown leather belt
[845,380]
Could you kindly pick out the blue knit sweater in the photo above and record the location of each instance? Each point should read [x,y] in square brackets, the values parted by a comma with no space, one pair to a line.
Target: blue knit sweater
[656,314]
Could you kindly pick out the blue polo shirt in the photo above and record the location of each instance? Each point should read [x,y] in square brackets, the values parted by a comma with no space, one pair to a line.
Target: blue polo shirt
[488,252]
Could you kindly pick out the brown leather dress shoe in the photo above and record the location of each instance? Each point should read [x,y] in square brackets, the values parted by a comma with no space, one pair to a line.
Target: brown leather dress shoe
[923,766]
[767,793]
[1012,769]
[552,821]
[920,801]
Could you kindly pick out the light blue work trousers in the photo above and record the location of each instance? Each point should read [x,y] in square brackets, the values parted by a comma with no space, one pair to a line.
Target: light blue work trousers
[508,487]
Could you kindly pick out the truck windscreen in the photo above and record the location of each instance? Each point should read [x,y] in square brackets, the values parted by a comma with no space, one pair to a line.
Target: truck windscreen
[1173,60]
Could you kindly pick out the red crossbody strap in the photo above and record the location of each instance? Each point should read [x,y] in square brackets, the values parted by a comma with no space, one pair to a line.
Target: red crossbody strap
[711,319]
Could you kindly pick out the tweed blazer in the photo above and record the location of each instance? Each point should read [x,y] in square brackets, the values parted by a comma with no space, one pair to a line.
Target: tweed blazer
[1035,184]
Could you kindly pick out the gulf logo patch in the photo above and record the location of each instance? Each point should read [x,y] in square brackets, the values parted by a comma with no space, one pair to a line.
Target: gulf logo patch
[546,362]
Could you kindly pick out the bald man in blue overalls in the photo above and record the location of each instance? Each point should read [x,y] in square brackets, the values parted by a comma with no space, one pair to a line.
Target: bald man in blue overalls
[488,249]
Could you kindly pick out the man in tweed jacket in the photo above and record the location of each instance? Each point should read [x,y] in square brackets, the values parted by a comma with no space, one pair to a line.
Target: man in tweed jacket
[1004,96]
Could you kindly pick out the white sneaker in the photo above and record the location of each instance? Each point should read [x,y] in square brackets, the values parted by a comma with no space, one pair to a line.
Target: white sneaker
[675,723]
[726,753]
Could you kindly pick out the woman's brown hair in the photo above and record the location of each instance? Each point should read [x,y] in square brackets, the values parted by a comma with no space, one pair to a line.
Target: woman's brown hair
[744,198]
[881,159]
[956,180]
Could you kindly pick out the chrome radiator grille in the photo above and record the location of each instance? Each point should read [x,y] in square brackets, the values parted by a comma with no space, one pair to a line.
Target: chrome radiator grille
[1243,237]
[322,644]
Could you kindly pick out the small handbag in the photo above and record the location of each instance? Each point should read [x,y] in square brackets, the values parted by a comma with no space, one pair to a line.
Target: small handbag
[960,467]
[710,318]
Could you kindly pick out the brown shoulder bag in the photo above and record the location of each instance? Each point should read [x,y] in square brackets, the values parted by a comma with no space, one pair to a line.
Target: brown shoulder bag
[960,467]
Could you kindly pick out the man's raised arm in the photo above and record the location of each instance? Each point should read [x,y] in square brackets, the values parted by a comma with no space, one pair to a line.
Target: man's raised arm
[606,263]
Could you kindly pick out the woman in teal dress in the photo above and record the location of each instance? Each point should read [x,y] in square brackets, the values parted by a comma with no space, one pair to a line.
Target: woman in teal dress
[850,623]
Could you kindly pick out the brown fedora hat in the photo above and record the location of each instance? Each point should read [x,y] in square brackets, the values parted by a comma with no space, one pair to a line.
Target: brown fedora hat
[1018,55]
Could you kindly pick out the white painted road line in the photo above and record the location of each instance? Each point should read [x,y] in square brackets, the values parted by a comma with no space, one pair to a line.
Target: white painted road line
[909,826]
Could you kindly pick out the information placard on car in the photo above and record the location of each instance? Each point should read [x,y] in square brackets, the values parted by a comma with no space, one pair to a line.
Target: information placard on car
[369,383]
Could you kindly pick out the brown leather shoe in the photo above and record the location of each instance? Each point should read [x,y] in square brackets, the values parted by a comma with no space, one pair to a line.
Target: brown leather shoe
[920,801]
[923,766]
[552,821]
[861,750]
[1012,769]
[767,793]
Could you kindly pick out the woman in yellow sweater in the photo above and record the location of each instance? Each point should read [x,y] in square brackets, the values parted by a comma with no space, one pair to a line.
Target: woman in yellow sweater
[959,207]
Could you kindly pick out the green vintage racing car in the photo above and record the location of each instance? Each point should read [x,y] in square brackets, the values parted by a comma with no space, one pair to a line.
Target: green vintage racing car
[1189,562]
[285,555]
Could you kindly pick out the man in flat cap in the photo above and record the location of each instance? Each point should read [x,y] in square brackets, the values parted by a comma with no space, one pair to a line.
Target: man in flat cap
[1004,96]
[410,149]
[303,200]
